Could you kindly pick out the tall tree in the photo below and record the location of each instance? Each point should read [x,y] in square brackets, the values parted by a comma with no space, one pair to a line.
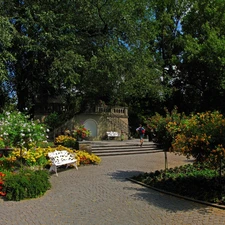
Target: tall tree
[6,34]
[43,47]
[204,56]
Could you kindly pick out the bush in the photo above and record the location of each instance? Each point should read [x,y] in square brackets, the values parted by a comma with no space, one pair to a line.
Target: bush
[18,131]
[158,124]
[26,184]
[201,136]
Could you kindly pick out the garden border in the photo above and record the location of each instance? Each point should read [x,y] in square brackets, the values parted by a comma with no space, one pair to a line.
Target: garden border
[178,196]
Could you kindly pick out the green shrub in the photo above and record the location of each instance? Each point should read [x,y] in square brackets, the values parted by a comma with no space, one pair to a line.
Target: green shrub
[26,184]
[71,144]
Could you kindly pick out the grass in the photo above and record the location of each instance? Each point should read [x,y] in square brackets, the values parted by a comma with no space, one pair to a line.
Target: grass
[195,181]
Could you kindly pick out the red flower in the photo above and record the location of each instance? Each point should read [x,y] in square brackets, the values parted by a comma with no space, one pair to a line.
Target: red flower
[2,193]
[2,174]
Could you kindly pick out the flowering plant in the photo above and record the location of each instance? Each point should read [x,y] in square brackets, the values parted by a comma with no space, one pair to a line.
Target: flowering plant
[2,193]
[201,136]
[61,139]
[16,130]
[81,131]
[84,157]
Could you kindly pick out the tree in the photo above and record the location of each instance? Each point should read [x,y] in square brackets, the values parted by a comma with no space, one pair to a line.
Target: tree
[41,45]
[6,34]
[71,53]
[199,81]
[204,54]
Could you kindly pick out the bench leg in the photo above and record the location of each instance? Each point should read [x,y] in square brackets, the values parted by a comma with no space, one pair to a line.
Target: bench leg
[53,168]
[74,164]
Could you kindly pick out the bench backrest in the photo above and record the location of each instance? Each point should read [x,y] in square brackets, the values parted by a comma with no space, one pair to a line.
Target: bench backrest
[60,156]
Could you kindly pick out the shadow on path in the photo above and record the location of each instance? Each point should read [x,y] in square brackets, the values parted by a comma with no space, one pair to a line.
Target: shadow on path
[168,202]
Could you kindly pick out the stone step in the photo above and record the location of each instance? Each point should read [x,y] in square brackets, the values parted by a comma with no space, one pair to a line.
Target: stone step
[123,148]
[102,154]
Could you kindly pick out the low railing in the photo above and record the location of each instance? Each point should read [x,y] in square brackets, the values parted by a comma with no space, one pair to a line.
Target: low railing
[115,110]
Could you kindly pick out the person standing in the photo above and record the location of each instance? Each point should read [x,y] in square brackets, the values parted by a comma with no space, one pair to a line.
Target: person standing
[141,131]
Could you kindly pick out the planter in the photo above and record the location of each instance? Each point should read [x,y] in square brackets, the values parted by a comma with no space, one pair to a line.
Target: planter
[85,147]
[79,138]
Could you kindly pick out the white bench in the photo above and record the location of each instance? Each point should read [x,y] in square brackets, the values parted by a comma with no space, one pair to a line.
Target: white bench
[112,134]
[59,158]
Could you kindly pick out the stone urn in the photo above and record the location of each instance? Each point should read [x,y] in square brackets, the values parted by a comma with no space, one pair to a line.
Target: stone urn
[85,147]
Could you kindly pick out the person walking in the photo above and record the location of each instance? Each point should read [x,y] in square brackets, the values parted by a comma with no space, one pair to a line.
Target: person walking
[141,131]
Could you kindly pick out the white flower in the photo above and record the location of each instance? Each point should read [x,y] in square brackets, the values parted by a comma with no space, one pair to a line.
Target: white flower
[22,134]
[47,130]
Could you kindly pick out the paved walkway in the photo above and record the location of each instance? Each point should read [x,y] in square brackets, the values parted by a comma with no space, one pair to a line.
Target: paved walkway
[101,195]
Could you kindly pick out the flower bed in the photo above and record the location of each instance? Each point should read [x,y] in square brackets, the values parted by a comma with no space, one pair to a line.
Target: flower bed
[196,181]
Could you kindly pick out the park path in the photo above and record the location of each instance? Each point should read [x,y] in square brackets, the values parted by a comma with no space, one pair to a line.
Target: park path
[101,195]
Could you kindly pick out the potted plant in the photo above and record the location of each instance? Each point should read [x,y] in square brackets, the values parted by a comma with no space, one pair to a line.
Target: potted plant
[80,132]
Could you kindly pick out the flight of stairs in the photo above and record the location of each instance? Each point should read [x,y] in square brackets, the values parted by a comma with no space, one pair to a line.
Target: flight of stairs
[116,148]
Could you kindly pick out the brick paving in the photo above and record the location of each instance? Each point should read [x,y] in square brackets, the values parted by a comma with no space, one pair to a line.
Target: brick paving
[101,195]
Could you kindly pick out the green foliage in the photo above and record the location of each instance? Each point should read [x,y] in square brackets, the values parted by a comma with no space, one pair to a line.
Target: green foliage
[26,184]
[6,36]
[71,144]
[52,120]
[150,54]
[58,53]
